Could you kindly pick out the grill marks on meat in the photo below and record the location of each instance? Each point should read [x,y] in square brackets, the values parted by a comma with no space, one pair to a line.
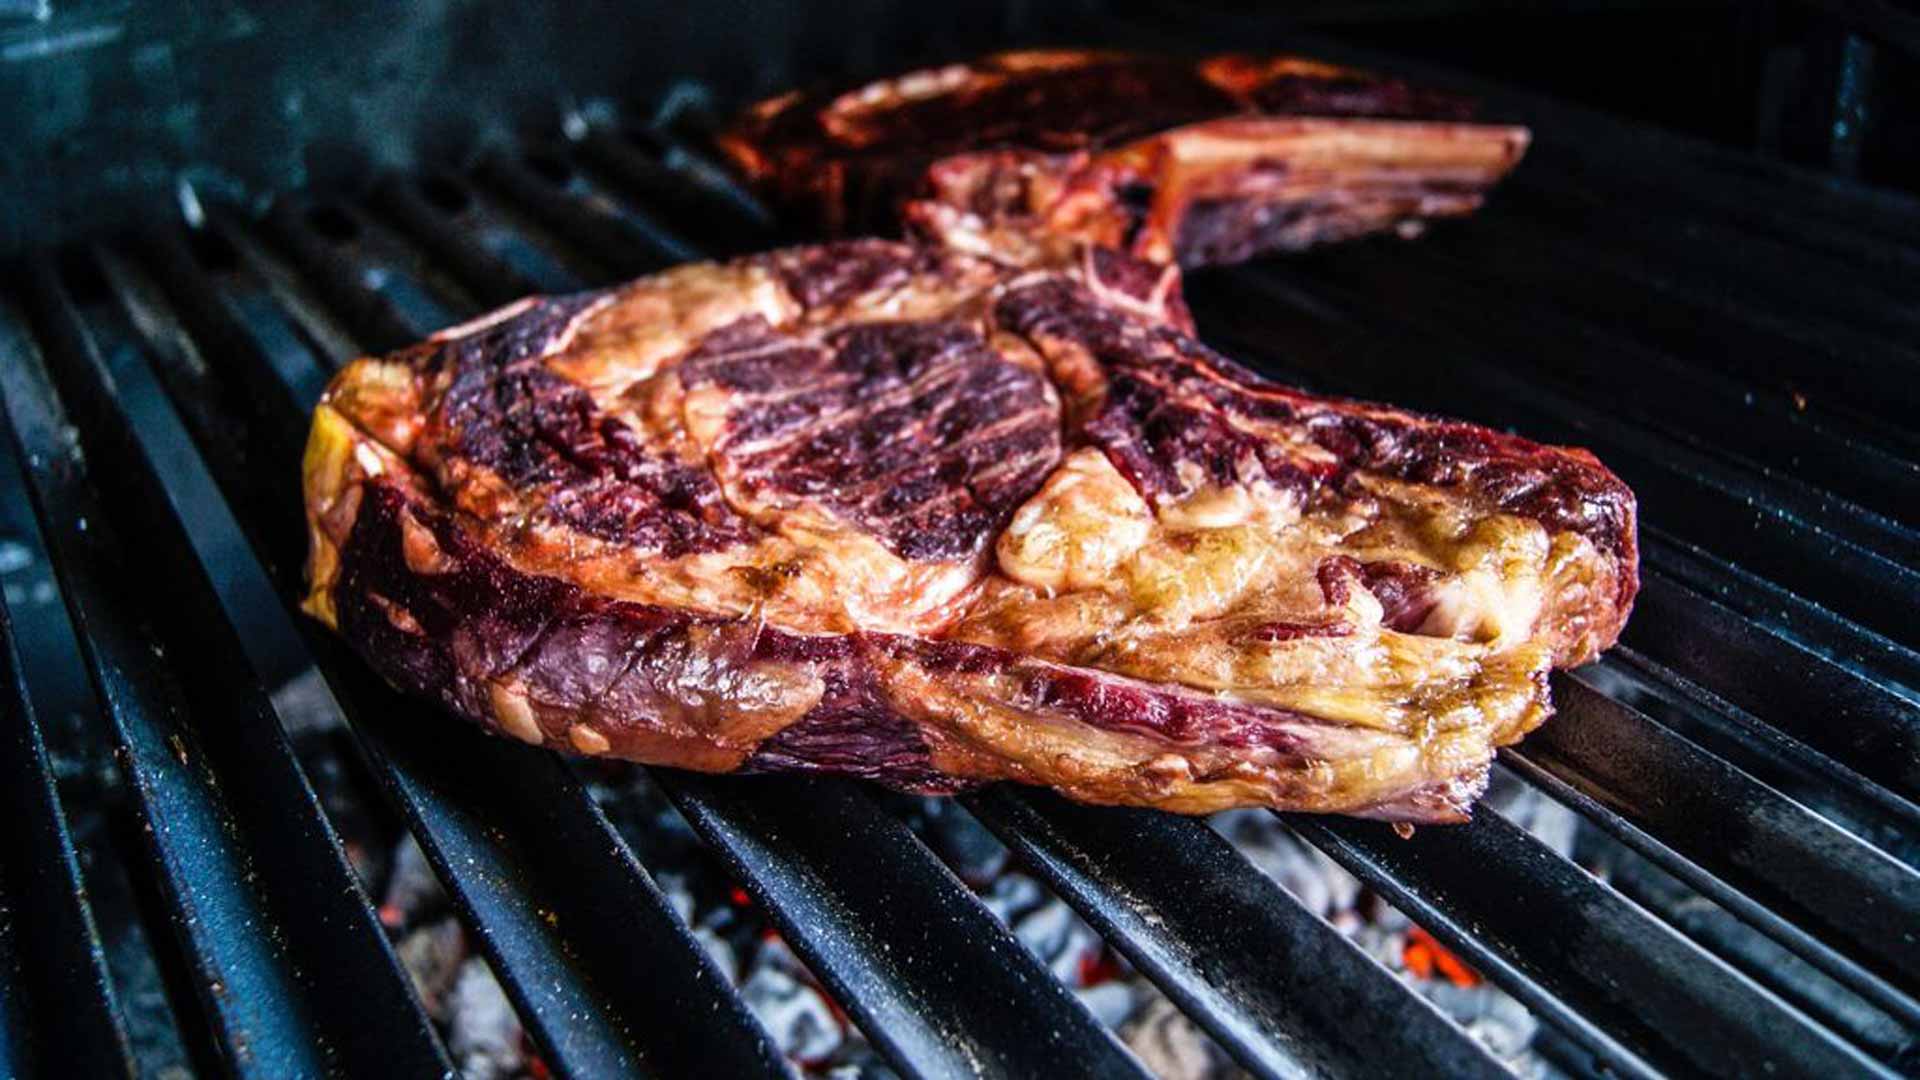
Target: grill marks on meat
[917,432]
[935,521]
[1196,162]
[503,410]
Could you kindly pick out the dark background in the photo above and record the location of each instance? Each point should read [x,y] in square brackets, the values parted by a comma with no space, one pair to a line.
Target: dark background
[107,107]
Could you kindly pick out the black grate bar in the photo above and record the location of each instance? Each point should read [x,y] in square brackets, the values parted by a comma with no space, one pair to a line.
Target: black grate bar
[1867,336]
[1724,365]
[1820,702]
[56,1001]
[1656,459]
[1804,548]
[1826,362]
[279,999]
[698,199]
[1776,612]
[1796,770]
[1637,994]
[383,298]
[1227,944]
[1722,414]
[1847,240]
[939,985]
[1753,269]
[453,230]
[1842,905]
[606,976]
[552,191]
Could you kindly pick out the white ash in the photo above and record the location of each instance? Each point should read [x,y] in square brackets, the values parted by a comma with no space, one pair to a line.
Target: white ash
[793,1012]
[1297,866]
[1173,1047]
[484,1034]
[305,704]
[1111,1003]
[1499,1022]
[1054,934]
[433,955]
[413,892]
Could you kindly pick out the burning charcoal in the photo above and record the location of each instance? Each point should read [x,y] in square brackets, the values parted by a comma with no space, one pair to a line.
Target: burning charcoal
[794,1013]
[484,1033]
[1170,1046]
[432,955]
[1313,879]
[413,893]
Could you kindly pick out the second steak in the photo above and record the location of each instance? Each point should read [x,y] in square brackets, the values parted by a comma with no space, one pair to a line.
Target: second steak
[1215,161]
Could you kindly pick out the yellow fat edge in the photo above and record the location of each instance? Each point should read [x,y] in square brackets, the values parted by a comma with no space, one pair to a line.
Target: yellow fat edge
[324,474]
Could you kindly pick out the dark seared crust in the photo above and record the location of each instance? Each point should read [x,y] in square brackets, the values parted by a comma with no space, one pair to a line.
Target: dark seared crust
[503,410]
[930,438]
[1082,143]
[936,521]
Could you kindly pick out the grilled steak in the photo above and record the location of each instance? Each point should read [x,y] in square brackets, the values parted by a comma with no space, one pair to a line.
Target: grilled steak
[913,515]
[1200,163]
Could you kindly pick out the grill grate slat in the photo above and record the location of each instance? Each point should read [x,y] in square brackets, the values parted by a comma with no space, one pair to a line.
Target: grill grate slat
[1739,842]
[283,999]
[1772,612]
[585,943]
[56,1001]
[1428,285]
[1606,973]
[1857,722]
[938,985]
[1227,944]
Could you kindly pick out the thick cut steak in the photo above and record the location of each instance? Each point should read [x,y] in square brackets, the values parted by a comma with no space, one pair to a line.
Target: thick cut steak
[1201,162]
[922,517]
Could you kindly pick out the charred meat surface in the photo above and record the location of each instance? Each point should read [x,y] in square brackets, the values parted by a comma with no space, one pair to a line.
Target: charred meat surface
[913,515]
[1196,162]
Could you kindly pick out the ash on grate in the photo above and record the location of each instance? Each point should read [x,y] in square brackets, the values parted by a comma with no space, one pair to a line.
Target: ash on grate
[810,1028]
[1502,1024]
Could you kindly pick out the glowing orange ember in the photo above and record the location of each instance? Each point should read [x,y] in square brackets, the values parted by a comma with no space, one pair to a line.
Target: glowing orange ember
[1424,956]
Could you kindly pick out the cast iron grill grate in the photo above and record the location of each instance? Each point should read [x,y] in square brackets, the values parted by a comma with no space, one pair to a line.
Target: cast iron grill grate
[1730,337]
